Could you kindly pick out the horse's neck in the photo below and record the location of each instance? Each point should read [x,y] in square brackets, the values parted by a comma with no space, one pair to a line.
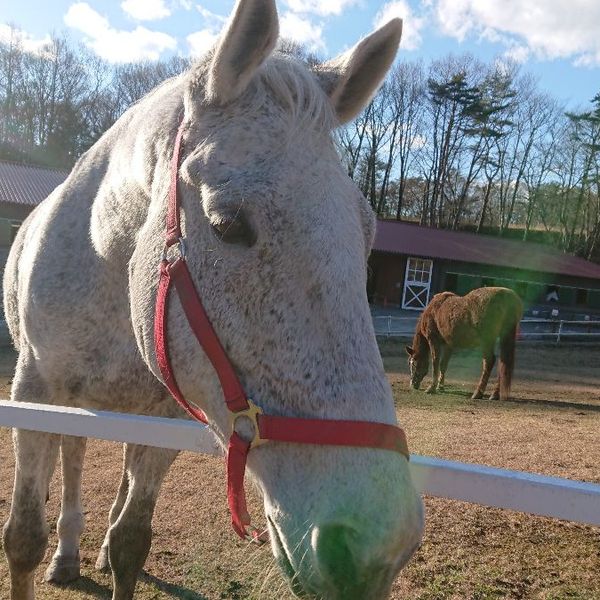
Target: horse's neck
[144,135]
[420,344]
[137,153]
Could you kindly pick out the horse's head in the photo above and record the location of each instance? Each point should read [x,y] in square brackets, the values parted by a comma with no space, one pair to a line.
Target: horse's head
[277,239]
[418,361]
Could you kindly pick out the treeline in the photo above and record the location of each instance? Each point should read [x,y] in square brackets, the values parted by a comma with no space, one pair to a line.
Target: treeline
[456,143]
[462,144]
[57,101]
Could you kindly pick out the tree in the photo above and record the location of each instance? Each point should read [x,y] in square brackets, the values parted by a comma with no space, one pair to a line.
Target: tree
[586,132]
[56,101]
[453,93]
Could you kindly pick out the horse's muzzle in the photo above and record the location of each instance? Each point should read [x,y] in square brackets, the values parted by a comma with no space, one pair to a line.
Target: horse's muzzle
[336,566]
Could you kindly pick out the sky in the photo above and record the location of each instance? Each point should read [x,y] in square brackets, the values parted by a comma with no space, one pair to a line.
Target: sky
[556,40]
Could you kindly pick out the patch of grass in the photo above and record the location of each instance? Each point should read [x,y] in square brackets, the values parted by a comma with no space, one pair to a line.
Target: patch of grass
[468,553]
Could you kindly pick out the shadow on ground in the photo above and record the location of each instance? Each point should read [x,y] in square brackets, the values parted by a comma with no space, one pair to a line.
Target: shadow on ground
[175,591]
[580,406]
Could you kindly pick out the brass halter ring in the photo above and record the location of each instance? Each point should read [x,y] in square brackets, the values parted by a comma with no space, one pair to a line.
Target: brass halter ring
[251,413]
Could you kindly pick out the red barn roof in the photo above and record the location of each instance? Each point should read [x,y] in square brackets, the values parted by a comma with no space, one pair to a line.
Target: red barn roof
[414,240]
[27,184]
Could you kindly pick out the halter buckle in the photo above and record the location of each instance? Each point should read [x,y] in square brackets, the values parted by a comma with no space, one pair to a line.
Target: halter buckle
[252,413]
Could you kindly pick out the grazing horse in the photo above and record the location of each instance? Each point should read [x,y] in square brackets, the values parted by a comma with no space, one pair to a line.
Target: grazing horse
[452,322]
[276,242]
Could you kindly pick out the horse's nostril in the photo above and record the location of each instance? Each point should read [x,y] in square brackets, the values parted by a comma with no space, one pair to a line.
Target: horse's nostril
[336,549]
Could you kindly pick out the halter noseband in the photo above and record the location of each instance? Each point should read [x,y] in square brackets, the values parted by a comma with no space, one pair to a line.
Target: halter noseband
[267,428]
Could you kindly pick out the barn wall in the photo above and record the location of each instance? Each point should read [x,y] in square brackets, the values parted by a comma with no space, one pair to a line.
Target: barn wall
[532,286]
[494,272]
[16,212]
[10,216]
[386,278]
[388,281]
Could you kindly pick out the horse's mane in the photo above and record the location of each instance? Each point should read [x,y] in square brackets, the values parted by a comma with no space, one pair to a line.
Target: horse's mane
[432,307]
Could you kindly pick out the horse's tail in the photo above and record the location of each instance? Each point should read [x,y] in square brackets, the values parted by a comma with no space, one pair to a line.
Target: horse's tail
[507,362]
[507,357]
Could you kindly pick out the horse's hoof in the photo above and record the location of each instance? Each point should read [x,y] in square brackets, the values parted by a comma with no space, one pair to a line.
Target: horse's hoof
[102,563]
[63,569]
[494,396]
[477,396]
[431,390]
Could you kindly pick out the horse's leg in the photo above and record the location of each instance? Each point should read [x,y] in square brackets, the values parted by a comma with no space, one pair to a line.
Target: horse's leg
[446,354]
[102,563]
[489,359]
[436,351]
[495,395]
[65,562]
[25,534]
[131,534]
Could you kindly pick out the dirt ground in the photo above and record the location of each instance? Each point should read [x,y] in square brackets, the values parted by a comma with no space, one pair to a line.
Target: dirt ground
[552,426]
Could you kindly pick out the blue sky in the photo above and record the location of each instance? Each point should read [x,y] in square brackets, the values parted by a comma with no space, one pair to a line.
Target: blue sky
[557,40]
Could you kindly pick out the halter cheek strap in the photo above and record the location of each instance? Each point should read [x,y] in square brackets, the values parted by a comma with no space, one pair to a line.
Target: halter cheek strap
[267,428]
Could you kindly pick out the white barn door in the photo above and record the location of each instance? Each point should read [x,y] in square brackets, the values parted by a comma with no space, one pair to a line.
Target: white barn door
[417,283]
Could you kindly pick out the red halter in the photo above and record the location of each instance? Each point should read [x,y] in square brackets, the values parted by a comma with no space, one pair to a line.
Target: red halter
[363,434]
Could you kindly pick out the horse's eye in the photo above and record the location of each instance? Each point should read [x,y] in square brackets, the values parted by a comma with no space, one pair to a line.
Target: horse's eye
[234,230]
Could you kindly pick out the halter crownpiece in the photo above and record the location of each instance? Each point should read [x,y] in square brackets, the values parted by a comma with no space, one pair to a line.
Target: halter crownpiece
[267,428]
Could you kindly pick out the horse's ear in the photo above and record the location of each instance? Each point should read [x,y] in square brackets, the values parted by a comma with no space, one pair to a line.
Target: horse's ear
[409,350]
[352,79]
[247,41]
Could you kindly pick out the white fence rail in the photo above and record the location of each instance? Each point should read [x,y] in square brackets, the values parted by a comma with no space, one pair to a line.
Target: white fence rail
[389,326]
[559,329]
[535,329]
[535,494]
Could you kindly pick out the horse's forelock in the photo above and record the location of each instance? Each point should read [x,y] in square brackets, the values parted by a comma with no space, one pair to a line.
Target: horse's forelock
[283,80]
[297,89]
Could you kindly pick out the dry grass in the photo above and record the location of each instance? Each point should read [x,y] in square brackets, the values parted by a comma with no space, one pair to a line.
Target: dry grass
[469,552]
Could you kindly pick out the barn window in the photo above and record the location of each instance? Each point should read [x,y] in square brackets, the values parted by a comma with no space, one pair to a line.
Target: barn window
[581,296]
[419,270]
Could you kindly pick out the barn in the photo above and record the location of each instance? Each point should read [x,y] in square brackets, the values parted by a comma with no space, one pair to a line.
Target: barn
[22,188]
[409,263]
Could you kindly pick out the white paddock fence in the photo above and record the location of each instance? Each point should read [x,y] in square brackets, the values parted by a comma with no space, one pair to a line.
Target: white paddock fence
[535,494]
[529,329]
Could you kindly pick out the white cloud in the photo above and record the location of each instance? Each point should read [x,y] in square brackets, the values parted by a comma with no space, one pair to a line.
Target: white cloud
[548,29]
[146,10]
[27,41]
[321,7]
[201,41]
[83,17]
[591,59]
[517,53]
[411,24]
[210,16]
[302,30]
[116,45]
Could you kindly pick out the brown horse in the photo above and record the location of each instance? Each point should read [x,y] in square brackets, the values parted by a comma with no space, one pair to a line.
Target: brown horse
[454,322]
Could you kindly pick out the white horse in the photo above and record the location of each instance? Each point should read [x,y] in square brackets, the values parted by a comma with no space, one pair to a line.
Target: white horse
[277,238]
